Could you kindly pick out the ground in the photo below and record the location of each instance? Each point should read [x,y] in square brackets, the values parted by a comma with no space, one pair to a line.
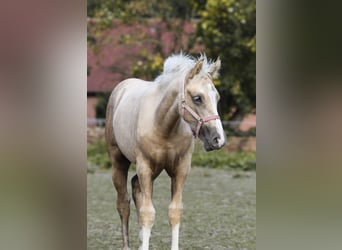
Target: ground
[219,212]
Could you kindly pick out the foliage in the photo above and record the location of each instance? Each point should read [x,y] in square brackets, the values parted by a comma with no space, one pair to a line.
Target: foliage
[131,9]
[149,66]
[228,28]
[97,154]
[171,15]
[102,13]
[101,105]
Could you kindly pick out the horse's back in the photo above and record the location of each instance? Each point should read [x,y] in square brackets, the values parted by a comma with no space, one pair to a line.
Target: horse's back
[122,114]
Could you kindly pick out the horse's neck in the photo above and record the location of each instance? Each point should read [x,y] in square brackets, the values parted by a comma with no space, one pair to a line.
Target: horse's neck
[167,118]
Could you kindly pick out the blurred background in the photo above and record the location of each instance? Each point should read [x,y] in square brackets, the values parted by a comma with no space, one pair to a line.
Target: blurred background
[133,38]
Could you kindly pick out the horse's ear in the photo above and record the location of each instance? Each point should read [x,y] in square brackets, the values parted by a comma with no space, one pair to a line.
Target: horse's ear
[195,70]
[214,68]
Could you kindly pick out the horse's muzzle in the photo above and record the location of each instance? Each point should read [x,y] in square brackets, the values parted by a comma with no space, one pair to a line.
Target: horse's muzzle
[212,139]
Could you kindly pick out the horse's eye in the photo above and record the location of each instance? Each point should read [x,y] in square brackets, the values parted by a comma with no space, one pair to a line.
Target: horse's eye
[197,99]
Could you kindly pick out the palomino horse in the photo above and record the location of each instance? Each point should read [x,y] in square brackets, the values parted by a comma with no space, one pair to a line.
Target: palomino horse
[153,125]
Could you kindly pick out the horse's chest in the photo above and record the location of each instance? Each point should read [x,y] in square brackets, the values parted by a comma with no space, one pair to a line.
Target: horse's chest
[164,157]
[163,154]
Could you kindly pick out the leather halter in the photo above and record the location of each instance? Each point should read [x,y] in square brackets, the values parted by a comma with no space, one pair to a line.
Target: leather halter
[200,120]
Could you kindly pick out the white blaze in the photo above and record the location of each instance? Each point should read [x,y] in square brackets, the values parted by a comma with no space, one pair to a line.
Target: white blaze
[218,124]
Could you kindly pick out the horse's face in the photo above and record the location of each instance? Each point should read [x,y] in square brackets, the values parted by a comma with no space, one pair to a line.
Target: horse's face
[202,96]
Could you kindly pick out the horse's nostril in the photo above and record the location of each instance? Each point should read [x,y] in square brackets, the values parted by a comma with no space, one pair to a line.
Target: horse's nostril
[215,140]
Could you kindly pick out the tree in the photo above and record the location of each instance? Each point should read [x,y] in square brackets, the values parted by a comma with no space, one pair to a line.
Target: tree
[170,16]
[228,28]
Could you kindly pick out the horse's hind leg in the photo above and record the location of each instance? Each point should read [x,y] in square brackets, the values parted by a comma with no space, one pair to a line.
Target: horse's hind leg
[136,192]
[119,176]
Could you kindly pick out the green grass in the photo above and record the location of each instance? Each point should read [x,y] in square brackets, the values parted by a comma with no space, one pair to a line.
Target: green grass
[97,154]
[223,159]
[219,211]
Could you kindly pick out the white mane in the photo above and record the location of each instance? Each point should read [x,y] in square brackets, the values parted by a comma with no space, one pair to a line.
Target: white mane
[181,64]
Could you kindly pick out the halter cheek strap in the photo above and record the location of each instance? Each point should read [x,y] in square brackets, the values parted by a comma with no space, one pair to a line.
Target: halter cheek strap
[200,120]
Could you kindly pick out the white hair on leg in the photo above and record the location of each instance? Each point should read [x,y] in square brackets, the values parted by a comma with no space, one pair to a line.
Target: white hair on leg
[144,236]
[175,237]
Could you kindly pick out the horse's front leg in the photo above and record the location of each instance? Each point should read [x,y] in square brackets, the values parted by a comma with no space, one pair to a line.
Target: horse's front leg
[146,211]
[176,206]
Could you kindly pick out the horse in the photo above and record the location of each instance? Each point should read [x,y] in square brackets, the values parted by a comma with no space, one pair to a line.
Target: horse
[154,125]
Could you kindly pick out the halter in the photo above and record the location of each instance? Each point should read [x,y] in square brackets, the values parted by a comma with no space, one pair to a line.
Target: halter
[200,120]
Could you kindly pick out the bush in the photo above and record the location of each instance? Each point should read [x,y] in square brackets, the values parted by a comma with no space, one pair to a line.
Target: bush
[101,105]
[97,154]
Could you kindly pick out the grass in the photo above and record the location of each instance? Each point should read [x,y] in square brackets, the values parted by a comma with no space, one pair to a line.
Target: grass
[97,154]
[219,203]
[223,159]
[219,211]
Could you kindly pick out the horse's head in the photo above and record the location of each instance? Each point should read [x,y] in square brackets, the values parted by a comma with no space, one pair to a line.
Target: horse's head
[199,104]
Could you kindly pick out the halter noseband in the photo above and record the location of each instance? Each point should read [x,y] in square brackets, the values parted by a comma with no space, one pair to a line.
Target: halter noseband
[200,120]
